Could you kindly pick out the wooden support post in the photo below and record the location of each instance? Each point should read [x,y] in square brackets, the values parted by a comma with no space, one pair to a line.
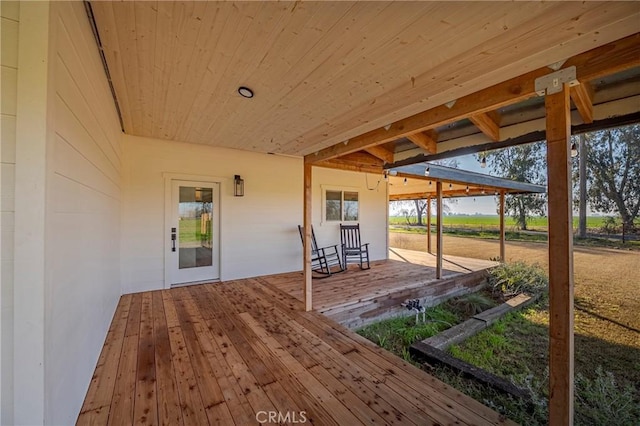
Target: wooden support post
[561,349]
[502,250]
[308,286]
[439,230]
[428,224]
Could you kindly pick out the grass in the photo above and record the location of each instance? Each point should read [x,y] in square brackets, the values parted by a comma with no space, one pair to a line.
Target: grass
[493,221]
[191,231]
[516,348]
[397,334]
[518,277]
[607,336]
[489,234]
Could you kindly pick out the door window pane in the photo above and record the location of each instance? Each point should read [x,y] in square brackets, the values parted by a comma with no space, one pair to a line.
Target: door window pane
[195,235]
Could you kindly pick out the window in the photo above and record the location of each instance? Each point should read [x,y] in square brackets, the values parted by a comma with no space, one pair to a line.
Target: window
[341,206]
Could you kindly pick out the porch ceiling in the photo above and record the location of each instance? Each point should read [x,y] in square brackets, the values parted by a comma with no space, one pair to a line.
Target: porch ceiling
[324,72]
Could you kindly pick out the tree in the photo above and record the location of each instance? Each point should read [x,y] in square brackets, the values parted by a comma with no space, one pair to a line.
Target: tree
[613,161]
[525,163]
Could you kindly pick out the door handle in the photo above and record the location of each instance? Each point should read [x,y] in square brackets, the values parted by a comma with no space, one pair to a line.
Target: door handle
[173,239]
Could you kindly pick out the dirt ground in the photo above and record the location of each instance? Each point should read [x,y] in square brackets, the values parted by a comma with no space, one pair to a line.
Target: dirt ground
[607,283]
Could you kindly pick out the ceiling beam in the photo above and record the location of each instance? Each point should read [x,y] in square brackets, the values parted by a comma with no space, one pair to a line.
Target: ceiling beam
[582,96]
[427,140]
[488,123]
[535,136]
[355,162]
[604,60]
[351,167]
[362,158]
[381,152]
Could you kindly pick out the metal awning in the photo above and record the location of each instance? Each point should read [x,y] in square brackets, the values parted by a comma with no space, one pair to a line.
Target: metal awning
[413,182]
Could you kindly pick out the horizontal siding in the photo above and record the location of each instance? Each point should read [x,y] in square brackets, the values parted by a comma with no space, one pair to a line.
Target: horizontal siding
[258,231]
[9,16]
[83,221]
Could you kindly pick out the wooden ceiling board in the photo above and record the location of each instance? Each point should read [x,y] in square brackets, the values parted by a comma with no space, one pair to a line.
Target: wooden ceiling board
[324,72]
[621,54]
[483,73]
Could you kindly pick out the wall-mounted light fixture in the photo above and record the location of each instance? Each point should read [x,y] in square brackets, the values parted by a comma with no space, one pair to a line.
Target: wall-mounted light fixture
[238,186]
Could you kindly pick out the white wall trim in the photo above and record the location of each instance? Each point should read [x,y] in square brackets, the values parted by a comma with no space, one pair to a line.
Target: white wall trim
[32,135]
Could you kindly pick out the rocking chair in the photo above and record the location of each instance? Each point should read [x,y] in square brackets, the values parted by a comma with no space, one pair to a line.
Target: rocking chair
[353,251]
[323,259]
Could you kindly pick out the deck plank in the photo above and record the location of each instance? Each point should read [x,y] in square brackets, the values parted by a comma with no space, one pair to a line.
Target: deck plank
[190,400]
[100,394]
[342,295]
[146,406]
[168,401]
[122,405]
[223,353]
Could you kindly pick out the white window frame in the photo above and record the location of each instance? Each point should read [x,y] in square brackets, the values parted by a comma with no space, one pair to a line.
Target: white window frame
[342,190]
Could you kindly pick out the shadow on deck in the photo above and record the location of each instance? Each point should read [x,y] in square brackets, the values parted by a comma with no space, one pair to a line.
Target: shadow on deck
[355,298]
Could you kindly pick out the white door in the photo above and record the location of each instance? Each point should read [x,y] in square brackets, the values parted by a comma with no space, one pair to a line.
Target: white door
[194,232]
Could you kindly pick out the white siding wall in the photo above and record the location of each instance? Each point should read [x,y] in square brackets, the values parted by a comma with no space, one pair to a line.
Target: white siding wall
[9,13]
[258,231]
[372,195]
[83,214]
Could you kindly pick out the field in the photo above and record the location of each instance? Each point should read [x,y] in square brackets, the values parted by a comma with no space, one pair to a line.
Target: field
[493,221]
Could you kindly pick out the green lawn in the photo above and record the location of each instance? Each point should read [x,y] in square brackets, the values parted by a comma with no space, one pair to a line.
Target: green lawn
[190,231]
[489,221]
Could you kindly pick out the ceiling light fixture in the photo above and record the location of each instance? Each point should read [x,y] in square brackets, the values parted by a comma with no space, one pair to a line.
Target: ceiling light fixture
[450,186]
[467,189]
[245,92]
[429,183]
[405,181]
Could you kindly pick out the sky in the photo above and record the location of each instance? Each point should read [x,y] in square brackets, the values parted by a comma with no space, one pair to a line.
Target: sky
[486,205]
[472,205]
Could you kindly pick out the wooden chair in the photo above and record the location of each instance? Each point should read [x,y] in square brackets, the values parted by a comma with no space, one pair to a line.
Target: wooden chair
[353,251]
[323,259]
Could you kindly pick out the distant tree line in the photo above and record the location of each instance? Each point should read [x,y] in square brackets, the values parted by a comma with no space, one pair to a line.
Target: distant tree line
[612,169]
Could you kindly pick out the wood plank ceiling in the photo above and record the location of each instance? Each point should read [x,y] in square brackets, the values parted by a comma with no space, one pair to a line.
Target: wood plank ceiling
[325,72]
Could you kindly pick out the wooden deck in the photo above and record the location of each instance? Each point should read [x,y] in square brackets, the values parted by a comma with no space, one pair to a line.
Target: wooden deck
[228,352]
[356,297]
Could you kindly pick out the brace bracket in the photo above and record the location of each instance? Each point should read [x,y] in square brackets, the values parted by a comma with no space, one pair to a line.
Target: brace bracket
[552,83]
